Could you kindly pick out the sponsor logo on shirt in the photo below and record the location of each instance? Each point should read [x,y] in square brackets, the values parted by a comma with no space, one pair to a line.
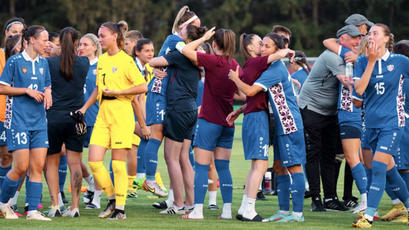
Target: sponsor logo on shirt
[383,148]
[94,72]
[24,69]
[42,70]
[390,67]
[114,69]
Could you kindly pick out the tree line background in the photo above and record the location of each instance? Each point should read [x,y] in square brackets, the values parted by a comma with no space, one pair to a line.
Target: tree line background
[311,21]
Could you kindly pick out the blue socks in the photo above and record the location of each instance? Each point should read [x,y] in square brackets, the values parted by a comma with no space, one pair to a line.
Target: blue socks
[389,189]
[225,179]
[377,186]
[3,173]
[401,190]
[140,165]
[8,189]
[151,158]
[405,177]
[369,177]
[283,192]
[62,172]
[34,194]
[297,189]
[359,175]
[201,180]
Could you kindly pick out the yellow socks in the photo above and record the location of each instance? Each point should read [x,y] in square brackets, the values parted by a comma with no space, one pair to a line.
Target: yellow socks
[130,182]
[102,178]
[120,178]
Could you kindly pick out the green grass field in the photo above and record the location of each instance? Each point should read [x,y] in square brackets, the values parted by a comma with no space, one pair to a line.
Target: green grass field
[141,214]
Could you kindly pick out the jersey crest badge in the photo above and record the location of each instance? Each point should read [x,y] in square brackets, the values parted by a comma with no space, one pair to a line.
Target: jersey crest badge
[24,69]
[94,72]
[114,69]
[390,67]
[41,71]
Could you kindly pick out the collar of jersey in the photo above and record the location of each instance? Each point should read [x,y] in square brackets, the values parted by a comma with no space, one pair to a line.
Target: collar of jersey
[28,58]
[93,61]
[140,66]
[386,55]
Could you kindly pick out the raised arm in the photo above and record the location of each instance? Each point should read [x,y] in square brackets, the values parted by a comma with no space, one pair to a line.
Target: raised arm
[332,44]
[243,87]
[362,83]
[190,49]
[281,53]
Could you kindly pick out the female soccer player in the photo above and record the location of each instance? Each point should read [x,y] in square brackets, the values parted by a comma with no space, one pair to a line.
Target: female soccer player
[68,73]
[301,68]
[156,104]
[180,119]
[26,120]
[380,75]
[90,47]
[255,124]
[117,83]
[213,135]
[13,26]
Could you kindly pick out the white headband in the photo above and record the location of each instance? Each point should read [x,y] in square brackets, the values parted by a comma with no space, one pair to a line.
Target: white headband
[17,44]
[12,23]
[188,21]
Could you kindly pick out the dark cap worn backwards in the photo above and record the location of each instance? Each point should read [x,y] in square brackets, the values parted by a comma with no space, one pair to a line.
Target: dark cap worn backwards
[351,30]
[357,20]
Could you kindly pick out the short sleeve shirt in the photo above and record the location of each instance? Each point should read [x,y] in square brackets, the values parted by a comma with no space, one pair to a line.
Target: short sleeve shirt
[320,91]
[252,70]
[182,86]
[219,90]
[24,112]
[91,114]
[117,72]
[276,81]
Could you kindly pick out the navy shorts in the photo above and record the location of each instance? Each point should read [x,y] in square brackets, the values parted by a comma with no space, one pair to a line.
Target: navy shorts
[255,135]
[24,139]
[290,148]
[402,155]
[155,108]
[208,135]
[384,140]
[350,132]
[64,133]
[179,125]
[364,139]
[3,139]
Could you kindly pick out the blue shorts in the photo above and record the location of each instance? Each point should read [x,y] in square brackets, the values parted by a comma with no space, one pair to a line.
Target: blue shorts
[402,155]
[23,139]
[364,139]
[208,135]
[349,132]
[255,136]
[87,136]
[290,149]
[155,108]
[384,140]
[3,138]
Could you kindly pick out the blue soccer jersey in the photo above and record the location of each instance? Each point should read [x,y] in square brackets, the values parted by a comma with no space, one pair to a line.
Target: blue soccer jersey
[24,112]
[300,75]
[348,114]
[277,81]
[384,98]
[158,85]
[90,83]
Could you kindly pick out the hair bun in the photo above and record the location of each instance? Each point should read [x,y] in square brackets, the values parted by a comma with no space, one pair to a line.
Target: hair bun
[123,26]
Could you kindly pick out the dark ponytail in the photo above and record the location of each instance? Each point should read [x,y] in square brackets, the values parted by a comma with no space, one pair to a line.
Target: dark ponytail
[32,31]
[245,41]
[225,40]
[68,37]
[195,32]
[120,29]
[301,60]
[12,44]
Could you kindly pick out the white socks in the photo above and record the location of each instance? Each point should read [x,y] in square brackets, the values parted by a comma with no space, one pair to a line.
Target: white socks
[60,202]
[13,200]
[396,201]
[243,205]
[97,198]
[212,197]
[226,213]
[91,183]
[140,176]
[169,201]
[197,212]
[250,212]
